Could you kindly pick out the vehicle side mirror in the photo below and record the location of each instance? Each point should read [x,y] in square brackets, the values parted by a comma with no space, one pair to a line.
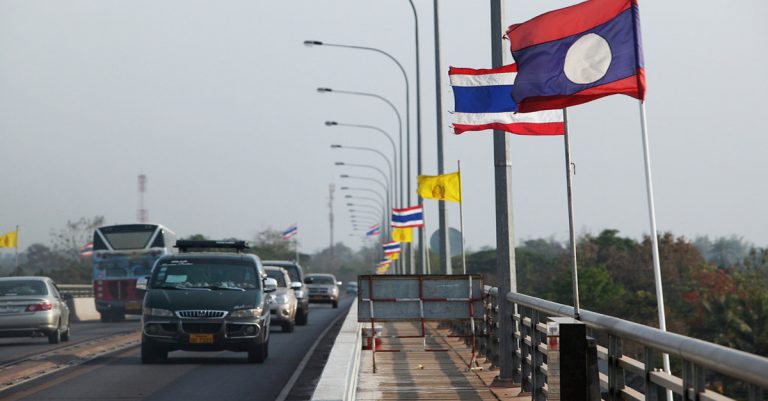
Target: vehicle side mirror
[296,285]
[141,283]
[338,283]
[270,284]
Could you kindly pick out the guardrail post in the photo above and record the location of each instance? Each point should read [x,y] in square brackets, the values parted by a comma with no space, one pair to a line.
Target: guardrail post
[651,389]
[525,352]
[693,381]
[515,345]
[615,371]
[537,376]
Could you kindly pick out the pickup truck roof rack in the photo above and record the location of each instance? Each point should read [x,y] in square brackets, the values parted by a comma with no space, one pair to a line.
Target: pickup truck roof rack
[203,245]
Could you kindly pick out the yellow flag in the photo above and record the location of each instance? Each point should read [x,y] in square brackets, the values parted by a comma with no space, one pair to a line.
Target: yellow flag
[392,256]
[402,234]
[8,240]
[440,187]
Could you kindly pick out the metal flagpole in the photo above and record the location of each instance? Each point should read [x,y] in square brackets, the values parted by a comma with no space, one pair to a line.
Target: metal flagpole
[571,228]
[17,247]
[654,236]
[461,222]
[296,249]
[445,244]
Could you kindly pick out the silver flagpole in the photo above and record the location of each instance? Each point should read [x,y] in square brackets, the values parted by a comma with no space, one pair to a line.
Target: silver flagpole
[654,236]
[17,247]
[572,229]
[461,221]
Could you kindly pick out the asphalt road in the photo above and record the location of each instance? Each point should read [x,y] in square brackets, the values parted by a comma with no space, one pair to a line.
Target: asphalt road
[12,349]
[187,376]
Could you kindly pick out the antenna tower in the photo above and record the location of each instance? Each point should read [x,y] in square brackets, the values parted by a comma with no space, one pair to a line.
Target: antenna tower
[142,214]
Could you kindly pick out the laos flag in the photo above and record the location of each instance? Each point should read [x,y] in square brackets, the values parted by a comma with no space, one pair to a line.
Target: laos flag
[578,54]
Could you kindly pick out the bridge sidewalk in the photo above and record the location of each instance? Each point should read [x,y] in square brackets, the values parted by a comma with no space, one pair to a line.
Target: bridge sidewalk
[413,374]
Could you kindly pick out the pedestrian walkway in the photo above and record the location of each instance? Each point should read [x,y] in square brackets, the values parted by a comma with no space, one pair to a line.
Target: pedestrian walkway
[414,374]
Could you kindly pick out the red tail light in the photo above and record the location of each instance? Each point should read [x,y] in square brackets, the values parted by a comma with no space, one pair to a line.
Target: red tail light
[44,306]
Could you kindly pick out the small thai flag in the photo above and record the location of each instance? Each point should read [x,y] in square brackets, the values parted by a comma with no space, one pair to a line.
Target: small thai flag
[391,247]
[384,263]
[289,232]
[408,217]
[374,230]
[86,250]
[483,100]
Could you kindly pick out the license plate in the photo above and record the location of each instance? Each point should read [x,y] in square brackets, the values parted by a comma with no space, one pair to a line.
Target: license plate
[201,338]
[9,309]
[132,306]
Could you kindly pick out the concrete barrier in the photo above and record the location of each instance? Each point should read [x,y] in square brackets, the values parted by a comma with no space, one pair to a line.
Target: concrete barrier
[84,309]
[338,381]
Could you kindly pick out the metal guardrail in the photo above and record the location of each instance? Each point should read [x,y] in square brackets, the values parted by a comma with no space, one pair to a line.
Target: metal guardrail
[77,290]
[696,356]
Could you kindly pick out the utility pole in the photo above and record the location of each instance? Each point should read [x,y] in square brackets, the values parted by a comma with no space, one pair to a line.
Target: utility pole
[445,250]
[142,214]
[331,189]
[506,271]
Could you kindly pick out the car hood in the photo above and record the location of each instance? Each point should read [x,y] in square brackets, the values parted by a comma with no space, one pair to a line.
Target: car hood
[225,300]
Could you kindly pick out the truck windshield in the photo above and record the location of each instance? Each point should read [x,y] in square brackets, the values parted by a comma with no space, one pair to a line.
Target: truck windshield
[210,273]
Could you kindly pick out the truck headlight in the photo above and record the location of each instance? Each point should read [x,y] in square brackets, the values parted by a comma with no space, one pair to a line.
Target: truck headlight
[157,312]
[255,312]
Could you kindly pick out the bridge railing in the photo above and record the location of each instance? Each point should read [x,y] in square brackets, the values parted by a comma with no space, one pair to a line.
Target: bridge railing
[622,376]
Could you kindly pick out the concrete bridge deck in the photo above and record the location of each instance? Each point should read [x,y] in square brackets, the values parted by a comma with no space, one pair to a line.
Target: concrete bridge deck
[413,374]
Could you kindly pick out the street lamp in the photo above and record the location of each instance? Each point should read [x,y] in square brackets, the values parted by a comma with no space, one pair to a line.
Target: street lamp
[381,131]
[367,149]
[400,131]
[311,43]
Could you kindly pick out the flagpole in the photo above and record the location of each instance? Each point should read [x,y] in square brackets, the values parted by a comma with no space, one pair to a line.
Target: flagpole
[571,228]
[461,221]
[426,268]
[296,249]
[17,247]
[654,236]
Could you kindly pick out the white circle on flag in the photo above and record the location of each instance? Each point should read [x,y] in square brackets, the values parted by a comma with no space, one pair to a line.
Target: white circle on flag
[588,59]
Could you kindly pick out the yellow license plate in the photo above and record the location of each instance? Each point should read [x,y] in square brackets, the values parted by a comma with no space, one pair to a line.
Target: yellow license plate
[132,306]
[201,338]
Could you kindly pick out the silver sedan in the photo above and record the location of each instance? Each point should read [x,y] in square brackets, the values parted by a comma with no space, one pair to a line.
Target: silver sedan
[283,301]
[33,306]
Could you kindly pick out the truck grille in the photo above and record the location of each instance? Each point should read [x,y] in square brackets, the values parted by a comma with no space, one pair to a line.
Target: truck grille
[318,290]
[201,314]
[201,328]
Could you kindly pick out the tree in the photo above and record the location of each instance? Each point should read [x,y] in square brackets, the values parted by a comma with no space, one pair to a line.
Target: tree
[74,235]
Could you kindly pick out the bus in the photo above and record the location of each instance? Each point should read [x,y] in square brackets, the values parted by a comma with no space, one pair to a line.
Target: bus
[121,254]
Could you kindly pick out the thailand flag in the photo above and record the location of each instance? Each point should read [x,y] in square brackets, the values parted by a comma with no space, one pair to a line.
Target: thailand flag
[483,100]
[86,250]
[289,232]
[408,217]
[374,230]
[391,247]
[578,54]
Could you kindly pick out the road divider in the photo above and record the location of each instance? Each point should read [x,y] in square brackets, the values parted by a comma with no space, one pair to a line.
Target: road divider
[338,381]
[84,309]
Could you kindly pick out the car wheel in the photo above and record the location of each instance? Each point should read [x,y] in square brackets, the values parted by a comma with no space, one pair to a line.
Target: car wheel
[65,335]
[54,337]
[302,317]
[336,303]
[258,353]
[152,354]
[288,326]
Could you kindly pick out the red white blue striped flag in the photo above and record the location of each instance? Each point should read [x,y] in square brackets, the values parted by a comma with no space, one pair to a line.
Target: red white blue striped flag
[289,232]
[483,101]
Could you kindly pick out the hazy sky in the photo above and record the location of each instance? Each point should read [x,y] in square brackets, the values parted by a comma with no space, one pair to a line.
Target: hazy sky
[215,101]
